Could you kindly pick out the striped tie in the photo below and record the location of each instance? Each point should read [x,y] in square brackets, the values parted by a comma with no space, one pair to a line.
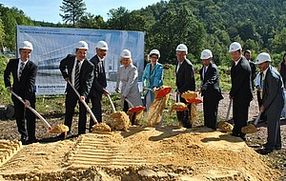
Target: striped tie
[21,70]
[76,77]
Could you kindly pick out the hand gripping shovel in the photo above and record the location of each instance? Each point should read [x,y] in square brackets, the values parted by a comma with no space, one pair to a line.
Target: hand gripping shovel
[251,128]
[61,128]
[224,126]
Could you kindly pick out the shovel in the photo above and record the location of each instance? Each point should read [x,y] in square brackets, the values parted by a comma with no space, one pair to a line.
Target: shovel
[161,92]
[134,109]
[224,125]
[251,128]
[98,127]
[179,106]
[84,103]
[120,119]
[57,129]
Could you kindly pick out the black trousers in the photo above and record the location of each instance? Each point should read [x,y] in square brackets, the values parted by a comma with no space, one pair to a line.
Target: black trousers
[210,106]
[71,101]
[240,116]
[25,119]
[125,109]
[184,116]
[96,109]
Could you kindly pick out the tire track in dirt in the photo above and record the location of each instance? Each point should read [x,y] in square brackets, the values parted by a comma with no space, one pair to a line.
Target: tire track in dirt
[101,150]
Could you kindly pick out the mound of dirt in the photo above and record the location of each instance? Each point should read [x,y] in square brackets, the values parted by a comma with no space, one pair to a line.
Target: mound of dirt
[141,154]
[119,121]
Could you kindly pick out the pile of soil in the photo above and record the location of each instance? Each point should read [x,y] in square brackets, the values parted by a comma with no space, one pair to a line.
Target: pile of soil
[141,154]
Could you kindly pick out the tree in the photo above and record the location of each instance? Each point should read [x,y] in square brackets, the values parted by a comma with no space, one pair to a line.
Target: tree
[72,10]
[91,21]
[279,43]
[177,26]
[2,34]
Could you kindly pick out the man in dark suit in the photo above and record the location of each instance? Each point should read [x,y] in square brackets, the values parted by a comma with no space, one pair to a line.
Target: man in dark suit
[272,102]
[24,74]
[247,55]
[99,82]
[185,80]
[241,89]
[79,71]
[210,89]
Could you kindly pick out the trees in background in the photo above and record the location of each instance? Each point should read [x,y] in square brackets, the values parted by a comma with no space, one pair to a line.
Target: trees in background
[73,10]
[258,25]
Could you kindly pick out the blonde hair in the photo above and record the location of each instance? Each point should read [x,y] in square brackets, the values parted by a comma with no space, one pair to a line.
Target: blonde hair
[130,60]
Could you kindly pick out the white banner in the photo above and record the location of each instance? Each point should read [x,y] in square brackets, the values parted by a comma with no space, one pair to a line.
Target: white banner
[51,45]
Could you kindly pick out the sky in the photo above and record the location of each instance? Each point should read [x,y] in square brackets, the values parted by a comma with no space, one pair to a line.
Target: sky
[49,10]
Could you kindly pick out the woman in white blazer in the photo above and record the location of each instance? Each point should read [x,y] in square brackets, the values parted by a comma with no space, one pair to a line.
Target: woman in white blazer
[127,77]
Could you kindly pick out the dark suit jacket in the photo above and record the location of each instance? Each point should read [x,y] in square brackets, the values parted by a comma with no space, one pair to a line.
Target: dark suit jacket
[241,83]
[25,87]
[273,94]
[85,77]
[99,81]
[210,83]
[185,79]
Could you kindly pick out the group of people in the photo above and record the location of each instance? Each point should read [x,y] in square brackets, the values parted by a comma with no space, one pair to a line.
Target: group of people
[89,79]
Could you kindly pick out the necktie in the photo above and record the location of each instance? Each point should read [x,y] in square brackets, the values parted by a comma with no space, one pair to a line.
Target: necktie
[76,77]
[100,67]
[261,80]
[178,66]
[204,72]
[21,70]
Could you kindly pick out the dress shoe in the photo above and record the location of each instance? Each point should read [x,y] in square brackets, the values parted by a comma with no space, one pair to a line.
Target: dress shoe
[31,141]
[265,151]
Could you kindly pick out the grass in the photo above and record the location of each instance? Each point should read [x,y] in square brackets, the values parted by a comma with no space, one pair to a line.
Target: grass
[53,106]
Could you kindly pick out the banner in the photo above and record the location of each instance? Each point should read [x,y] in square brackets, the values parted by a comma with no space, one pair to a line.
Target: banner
[51,45]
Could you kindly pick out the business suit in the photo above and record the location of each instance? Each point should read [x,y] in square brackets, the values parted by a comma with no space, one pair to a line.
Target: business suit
[97,89]
[253,72]
[241,92]
[185,80]
[211,93]
[273,102]
[25,88]
[85,81]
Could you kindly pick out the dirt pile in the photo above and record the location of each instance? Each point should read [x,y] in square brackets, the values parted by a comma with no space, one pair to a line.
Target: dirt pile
[141,154]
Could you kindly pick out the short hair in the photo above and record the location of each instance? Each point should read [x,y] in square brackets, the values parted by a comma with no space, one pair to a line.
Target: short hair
[247,51]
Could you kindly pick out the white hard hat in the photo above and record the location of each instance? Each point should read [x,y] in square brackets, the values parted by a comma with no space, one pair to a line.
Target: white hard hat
[102,45]
[206,54]
[235,46]
[182,48]
[26,45]
[125,53]
[263,57]
[155,52]
[82,45]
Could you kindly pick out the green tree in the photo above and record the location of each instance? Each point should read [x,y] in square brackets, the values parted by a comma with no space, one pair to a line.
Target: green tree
[2,34]
[279,43]
[91,21]
[72,10]
[175,27]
